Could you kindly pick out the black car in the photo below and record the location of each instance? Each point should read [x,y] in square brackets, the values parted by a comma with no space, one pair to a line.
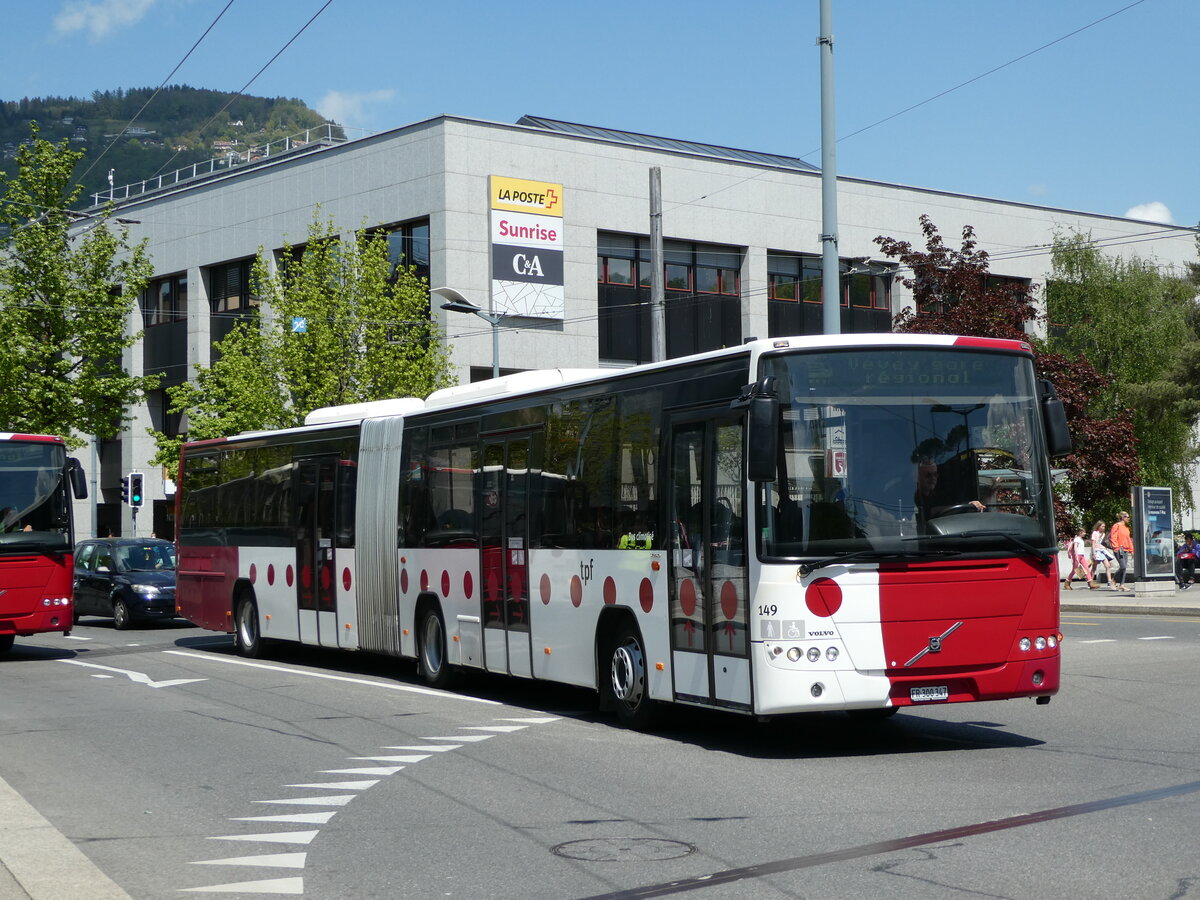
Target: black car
[129,579]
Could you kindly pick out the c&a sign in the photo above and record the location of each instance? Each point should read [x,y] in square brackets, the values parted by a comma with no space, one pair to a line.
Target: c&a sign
[527,247]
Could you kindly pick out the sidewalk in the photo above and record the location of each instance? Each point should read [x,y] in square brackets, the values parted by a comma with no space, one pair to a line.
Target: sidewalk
[1156,603]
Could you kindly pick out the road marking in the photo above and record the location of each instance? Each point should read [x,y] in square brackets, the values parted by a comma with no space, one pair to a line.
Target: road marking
[500,729]
[209,657]
[326,800]
[367,770]
[271,886]
[433,748]
[138,677]
[1097,641]
[277,837]
[461,737]
[1158,637]
[321,818]
[340,785]
[276,860]
[76,637]
[395,759]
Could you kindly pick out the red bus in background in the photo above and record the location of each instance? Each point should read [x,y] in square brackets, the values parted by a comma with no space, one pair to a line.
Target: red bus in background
[37,535]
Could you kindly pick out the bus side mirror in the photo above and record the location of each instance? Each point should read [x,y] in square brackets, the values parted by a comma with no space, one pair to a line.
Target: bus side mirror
[78,479]
[1054,420]
[762,428]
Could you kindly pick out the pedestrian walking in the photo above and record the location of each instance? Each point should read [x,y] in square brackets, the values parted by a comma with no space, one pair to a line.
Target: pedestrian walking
[1122,544]
[1077,554]
[1102,555]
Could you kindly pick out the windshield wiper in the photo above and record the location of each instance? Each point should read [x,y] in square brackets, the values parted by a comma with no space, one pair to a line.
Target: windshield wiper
[807,568]
[1027,548]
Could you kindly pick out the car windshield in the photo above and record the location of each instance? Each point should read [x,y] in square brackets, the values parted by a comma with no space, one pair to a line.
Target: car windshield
[146,557]
[905,451]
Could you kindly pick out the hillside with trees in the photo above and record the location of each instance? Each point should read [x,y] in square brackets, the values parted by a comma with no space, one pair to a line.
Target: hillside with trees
[180,126]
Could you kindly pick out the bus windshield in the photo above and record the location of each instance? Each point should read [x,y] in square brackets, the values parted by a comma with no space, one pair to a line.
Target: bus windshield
[886,452]
[33,501]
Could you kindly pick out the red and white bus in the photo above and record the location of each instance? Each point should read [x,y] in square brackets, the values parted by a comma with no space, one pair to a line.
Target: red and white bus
[37,535]
[859,522]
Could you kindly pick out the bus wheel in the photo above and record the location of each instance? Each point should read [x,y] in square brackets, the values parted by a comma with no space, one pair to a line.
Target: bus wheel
[6,642]
[431,654]
[245,635]
[626,681]
[121,617]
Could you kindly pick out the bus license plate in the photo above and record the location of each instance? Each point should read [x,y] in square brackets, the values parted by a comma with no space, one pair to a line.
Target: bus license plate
[925,694]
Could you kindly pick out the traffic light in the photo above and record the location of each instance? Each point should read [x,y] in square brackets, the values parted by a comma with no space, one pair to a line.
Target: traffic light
[124,488]
[135,489]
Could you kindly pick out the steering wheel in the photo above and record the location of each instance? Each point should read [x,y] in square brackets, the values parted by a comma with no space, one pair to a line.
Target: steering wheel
[958,508]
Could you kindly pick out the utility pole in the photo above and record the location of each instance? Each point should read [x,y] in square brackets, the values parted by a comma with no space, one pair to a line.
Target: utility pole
[658,300]
[831,281]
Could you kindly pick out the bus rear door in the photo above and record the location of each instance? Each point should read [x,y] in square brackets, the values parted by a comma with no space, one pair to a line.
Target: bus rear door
[316,563]
[503,504]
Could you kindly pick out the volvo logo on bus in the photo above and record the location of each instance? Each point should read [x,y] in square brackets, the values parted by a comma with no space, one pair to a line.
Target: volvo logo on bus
[935,643]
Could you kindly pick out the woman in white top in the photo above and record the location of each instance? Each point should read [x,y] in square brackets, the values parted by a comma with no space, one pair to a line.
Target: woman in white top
[1101,554]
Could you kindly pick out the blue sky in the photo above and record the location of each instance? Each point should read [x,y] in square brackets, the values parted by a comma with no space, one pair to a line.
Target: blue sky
[1102,120]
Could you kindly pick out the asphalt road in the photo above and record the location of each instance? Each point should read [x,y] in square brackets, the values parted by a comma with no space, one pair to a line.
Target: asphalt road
[175,766]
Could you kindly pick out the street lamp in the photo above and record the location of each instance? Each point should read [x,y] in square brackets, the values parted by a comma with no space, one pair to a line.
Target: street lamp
[459,303]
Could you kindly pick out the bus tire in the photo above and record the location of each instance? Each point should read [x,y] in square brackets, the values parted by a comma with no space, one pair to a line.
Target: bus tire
[246,636]
[625,682]
[431,648]
[122,618]
[6,642]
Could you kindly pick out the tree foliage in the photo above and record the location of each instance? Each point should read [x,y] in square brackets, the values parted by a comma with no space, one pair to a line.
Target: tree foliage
[1139,327]
[953,288]
[65,301]
[366,335]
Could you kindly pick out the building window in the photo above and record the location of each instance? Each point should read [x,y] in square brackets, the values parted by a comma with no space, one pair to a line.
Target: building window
[229,287]
[165,300]
[936,305]
[702,288]
[795,295]
[408,245]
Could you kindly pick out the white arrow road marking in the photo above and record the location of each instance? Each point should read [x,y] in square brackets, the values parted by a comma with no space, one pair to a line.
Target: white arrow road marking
[388,686]
[320,818]
[1099,641]
[271,886]
[278,837]
[540,720]
[277,860]
[139,677]
[369,770]
[327,800]
[340,785]
[1160,637]
[395,759]
[501,729]
[433,748]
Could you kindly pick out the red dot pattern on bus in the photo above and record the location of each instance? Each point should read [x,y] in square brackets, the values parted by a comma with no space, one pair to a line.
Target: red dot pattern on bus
[823,597]
[468,585]
[544,588]
[271,573]
[729,600]
[291,576]
[646,595]
[576,591]
[306,577]
[445,583]
[610,591]
[404,581]
[253,573]
[687,597]
[346,580]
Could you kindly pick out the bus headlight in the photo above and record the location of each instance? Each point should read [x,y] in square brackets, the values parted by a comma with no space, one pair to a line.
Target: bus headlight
[1025,644]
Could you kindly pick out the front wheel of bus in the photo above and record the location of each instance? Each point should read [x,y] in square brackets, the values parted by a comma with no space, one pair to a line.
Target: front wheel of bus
[431,655]
[246,635]
[626,681]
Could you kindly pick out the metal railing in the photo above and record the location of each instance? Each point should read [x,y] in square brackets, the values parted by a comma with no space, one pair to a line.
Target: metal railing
[310,139]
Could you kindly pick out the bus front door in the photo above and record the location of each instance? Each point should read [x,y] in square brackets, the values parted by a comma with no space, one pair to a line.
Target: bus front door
[504,530]
[708,605]
[316,596]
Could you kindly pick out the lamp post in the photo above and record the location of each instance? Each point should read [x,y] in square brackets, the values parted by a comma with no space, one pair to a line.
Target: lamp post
[458,303]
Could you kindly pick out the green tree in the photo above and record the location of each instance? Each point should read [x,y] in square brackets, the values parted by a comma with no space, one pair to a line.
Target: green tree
[65,302]
[367,335]
[953,290]
[1139,326]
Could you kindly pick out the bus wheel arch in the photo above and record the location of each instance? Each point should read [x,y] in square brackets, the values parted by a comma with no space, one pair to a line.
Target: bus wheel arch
[623,676]
[247,635]
[432,648]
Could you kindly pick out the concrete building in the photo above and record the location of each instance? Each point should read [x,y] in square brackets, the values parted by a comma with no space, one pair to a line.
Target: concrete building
[546,224]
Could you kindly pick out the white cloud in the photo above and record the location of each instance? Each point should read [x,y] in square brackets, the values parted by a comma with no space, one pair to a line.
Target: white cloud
[351,108]
[100,18]
[1151,212]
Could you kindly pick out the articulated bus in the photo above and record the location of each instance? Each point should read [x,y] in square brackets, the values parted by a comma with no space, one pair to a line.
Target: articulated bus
[37,535]
[858,522]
